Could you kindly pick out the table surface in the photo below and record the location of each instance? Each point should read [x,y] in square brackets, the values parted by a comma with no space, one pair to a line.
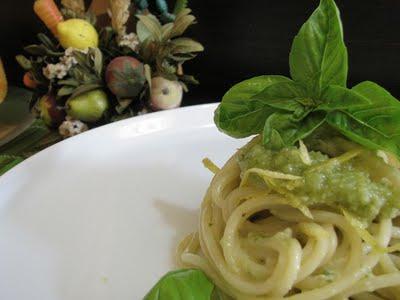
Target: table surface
[247,38]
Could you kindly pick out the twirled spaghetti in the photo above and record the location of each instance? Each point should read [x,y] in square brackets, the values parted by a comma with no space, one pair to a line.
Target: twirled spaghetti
[254,244]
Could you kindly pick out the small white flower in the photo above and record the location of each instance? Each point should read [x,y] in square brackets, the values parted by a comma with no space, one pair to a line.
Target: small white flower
[69,51]
[130,40]
[52,71]
[71,127]
[143,111]
[66,62]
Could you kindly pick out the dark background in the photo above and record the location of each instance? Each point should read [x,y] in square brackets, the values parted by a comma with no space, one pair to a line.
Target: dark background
[248,38]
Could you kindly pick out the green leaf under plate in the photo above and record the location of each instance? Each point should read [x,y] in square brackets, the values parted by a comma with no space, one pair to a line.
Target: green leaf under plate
[15,115]
[7,162]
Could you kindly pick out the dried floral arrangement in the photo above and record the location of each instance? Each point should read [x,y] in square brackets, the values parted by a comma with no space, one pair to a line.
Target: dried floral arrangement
[86,73]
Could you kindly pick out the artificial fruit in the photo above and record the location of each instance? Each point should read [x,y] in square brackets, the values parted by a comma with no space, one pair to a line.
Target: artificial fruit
[88,107]
[49,13]
[125,76]
[165,94]
[49,112]
[29,81]
[78,34]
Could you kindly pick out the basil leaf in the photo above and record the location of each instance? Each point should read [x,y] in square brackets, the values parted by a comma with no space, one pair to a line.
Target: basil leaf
[373,124]
[281,130]
[182,285]
[319,56]
[240,116]
[362,133]
[336,98]
[376,94]
[250,87]
[286,95]
[383,114]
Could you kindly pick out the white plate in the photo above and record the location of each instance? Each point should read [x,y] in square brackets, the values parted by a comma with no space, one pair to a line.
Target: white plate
[98,216]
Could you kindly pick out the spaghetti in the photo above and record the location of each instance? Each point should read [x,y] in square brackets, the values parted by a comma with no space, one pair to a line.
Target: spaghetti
[255,242]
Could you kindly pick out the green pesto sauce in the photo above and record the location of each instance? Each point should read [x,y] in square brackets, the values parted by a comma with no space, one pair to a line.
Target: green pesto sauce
[346,185]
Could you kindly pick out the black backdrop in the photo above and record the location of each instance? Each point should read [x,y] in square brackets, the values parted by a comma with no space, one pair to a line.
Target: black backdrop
[247,38]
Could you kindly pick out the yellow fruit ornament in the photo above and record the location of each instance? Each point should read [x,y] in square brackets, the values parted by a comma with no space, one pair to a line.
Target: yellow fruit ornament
[78,34]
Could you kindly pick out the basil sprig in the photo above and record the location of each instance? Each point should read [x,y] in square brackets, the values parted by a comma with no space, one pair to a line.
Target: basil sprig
[191,284]
[286,110]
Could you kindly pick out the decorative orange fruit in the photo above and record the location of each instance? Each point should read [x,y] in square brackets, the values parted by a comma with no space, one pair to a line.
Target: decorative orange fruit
[29,81]
[3,83]
[49,13]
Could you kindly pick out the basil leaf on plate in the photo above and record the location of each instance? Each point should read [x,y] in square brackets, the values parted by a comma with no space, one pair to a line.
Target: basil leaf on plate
[319,56]
[282,130]
[240,116]
[182,285]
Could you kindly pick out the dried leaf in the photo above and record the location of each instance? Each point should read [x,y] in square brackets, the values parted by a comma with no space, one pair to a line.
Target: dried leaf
[142,32]
[84,89]
[80,57]
[181,24]
[123,104]
[147,74]
[152,25]
[24,62]
[47,42]
[183,12]
[65,91]
[180,5]
[36,50]
[166,68]
[189,79]
[181,58]
[184,86]
[71,82]
[119,15]
[91,18]
[42,50]
[166,31]
[77,6]
[149,50]
[98,60]
[185,45]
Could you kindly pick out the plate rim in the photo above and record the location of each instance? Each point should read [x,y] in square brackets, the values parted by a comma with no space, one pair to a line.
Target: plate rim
[109,126]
